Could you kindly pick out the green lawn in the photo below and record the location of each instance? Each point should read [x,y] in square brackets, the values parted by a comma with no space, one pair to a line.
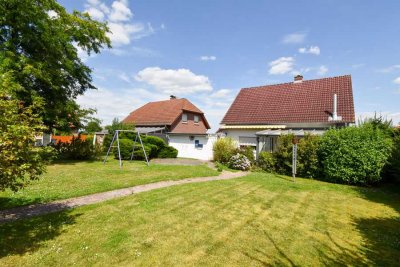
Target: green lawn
[71,179]
[256,220]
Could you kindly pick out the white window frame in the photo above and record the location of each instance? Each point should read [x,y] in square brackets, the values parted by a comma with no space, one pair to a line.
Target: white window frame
[196,119]
[184,117]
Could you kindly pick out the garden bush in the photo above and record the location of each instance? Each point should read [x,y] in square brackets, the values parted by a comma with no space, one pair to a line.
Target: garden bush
[248,151]
[283,154]
[126,146]
[307,160]
[168,152]
[239,162]
[392,168]
[354,155]
[224,149]
[77,149]
[266,161]
[154,140]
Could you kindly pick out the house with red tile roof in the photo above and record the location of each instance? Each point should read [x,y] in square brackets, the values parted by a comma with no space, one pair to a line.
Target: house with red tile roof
[259,115]
[179,122]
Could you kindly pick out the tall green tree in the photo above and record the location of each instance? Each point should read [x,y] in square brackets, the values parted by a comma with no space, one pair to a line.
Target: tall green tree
[38,45]
[19,161]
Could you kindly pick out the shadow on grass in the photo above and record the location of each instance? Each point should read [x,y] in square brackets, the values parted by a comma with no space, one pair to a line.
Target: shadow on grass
[10,202]
[23,236]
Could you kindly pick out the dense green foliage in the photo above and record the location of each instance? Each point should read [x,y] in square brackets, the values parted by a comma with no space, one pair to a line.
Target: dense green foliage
[92,126]
[20,162]
[392,169]
[224,149]
[167,152]
[78,149]
[283,154]
[354,155]
[307,157]
[247,151]
[38,45]
[266,161]
[126,147]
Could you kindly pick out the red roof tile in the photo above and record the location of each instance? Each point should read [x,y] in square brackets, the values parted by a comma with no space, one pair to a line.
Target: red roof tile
[309,101]
[162,112]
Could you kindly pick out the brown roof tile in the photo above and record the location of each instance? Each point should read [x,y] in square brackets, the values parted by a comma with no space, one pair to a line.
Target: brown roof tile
[309,101]
[162,112]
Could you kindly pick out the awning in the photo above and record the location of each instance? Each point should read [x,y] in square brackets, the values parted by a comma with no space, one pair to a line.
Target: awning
[252,126]
[301,132]
[146,130]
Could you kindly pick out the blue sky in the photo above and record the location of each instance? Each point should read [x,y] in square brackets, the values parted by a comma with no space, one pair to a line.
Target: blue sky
[207,50]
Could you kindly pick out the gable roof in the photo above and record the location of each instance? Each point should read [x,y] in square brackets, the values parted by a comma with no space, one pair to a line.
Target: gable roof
[308,101]
[163,112]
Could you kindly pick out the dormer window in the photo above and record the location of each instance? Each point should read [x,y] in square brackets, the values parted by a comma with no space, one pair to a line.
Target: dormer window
[184,117]
[196,119]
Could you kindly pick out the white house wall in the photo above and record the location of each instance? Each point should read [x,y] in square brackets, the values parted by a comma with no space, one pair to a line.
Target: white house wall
[243,137]
[186,147]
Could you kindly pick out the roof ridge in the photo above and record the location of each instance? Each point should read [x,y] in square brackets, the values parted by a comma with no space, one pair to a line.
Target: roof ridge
[276,84]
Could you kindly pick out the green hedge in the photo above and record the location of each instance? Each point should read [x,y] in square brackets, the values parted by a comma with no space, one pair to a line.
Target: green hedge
[354,155]
[126,146]
[168,152]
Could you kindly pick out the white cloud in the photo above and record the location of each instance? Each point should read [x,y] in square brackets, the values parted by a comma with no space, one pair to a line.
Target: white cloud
[179,82]
[294,38]
[389,69]
[322,70]
[208,58]
[314,50]
[119,17]
[281,66]
[116,104]
[397,80]
[120,11]
[222,93]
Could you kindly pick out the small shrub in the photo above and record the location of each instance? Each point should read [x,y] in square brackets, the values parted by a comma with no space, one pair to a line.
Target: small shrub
[126,146]
[248,151]
[219,166]
[77,149]
[307,160]
[154,140]
[168,152]
[153,150]
[354,155]
[224,149]
[283,154]
[239,162]
[266,161]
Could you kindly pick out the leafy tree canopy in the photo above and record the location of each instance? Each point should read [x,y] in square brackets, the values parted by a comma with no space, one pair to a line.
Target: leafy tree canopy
[38,45]
[93,126]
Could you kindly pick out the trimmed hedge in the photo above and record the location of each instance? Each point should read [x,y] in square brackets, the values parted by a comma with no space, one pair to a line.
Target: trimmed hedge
[308,164]
[168,152]
[354,155]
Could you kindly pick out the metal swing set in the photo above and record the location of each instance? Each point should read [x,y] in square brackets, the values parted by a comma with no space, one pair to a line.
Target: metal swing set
[116,139]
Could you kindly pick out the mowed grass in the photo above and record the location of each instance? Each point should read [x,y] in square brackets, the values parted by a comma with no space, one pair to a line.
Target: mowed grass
[257,220]
[77,178]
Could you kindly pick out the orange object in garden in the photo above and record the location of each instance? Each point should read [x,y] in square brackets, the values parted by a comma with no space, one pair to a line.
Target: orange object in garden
[67,138]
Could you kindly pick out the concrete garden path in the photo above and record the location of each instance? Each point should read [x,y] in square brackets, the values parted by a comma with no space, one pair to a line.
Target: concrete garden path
[59,205]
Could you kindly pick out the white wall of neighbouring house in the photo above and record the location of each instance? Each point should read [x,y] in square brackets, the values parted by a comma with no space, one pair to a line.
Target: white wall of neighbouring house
[186,146]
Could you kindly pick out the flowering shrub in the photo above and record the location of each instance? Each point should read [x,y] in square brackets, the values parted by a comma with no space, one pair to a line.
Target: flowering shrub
[239,162]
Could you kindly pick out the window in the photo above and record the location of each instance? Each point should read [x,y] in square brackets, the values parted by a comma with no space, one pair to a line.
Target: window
[184,117]
[196,119]
[197,144]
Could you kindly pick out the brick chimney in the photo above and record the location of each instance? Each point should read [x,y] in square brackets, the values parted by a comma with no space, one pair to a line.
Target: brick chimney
[298,78]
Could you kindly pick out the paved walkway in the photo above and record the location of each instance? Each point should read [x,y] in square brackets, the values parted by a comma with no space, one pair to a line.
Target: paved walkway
[40,209]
